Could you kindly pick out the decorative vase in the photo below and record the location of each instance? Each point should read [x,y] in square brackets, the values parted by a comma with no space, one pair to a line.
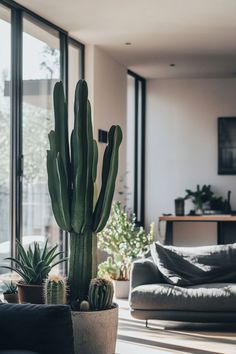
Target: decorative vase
[33,294]
[121,289]
[95,332]
[179,207]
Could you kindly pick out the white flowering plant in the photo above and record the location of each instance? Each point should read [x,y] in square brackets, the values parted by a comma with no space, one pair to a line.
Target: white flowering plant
[124,241]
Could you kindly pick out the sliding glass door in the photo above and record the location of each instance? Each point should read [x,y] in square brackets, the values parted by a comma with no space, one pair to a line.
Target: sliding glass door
[41,69]
[35,54]
[135,160]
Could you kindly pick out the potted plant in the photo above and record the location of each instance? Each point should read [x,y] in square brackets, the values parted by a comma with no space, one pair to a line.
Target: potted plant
[10,293]
[124,242]
[72,172]
[199,197]
[33,266]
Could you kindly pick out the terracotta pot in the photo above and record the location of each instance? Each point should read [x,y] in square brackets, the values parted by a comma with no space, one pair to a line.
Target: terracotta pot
[11,298]
[33,294]
[121,288]
[95,332]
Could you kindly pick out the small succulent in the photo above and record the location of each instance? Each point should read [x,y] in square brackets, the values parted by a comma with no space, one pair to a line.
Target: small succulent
[35,264]
[84,306]
[10,288]
[55,290]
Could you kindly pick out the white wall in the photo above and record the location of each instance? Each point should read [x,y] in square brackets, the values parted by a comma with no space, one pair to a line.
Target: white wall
[181,147]
[107,81]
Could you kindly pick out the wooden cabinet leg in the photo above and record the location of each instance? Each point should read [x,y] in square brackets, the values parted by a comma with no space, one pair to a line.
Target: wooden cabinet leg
[169,233]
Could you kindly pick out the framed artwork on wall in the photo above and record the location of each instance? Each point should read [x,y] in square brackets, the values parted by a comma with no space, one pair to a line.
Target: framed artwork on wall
[227,146]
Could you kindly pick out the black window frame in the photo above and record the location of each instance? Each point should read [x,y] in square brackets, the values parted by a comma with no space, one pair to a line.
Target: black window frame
[18,12]
[139,194]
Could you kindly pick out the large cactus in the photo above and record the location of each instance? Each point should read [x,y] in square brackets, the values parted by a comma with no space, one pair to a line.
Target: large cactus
[72,172]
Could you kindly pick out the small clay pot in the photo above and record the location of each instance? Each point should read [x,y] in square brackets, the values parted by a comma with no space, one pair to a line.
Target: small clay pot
[33,294]
[11,298]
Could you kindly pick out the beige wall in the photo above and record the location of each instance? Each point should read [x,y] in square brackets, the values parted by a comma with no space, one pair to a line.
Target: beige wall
[181,148]
[107,82]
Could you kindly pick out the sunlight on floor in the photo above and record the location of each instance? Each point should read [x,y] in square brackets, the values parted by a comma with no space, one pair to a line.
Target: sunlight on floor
[163,337]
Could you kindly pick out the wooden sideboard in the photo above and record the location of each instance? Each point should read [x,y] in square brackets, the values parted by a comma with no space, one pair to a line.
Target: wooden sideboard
[224,223]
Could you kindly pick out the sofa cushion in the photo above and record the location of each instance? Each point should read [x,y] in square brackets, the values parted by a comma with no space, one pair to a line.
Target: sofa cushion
[202,297]
[44,329]
[196,265]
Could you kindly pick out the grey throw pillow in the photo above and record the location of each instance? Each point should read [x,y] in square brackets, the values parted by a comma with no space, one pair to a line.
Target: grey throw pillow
[196,265]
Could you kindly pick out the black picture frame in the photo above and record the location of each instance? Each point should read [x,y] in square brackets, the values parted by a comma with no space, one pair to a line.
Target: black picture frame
[227,145]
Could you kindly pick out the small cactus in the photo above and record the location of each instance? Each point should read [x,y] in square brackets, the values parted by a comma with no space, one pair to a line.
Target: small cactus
[84,306]
[100,294]
[55,290]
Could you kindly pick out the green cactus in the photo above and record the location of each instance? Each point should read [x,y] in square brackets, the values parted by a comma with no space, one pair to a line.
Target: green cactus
[101,293]
[72,174]
[55,290]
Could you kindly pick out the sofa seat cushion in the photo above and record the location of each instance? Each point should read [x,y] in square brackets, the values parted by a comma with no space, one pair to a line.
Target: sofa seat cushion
[201,297]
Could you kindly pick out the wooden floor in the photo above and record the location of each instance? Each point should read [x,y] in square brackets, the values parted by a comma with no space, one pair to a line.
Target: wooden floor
[172,337]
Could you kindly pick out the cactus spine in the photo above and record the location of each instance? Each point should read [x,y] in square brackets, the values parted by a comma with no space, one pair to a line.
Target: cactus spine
[72,174]
[101,293]
[55,290]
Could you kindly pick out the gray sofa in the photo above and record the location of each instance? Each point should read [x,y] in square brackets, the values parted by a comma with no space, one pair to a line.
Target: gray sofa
[151,297]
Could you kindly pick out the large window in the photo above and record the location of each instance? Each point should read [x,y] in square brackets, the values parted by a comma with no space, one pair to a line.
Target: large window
[136,93]
[41,69]
[36,55]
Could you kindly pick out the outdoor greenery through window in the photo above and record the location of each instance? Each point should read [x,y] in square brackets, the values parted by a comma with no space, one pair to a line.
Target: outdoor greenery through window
[26,117]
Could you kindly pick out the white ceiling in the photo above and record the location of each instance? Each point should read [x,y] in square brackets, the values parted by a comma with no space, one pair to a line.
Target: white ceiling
[199,36]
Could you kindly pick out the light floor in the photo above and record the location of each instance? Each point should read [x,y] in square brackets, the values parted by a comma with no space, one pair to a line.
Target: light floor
[171,337]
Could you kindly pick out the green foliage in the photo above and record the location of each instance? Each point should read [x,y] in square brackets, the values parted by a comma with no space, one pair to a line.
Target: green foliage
[72,174]
[55,290]
[201,195]
[10,288]
[205,194]
[124,241]
[101,293]
[34,264]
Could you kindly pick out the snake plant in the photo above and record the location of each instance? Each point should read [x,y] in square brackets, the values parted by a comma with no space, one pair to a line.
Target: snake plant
[72,172]
[34,265]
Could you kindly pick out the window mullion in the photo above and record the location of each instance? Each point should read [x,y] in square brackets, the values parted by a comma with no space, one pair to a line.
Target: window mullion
[16,118]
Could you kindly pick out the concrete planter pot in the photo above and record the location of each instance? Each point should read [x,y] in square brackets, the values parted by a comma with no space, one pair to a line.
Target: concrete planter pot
[121,288]
[95,332]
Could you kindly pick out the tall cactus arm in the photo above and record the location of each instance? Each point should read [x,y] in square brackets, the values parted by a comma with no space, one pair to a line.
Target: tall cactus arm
[58,190]
[88,197]
[95,164]
[82,146]
[95,160]
[61,127]
[110,169]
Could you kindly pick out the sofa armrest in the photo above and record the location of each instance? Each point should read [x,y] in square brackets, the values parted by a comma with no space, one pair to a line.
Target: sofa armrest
[45,329]
[144,271]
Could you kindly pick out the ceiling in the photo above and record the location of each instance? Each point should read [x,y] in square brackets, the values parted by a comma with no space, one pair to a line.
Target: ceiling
[198,36]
